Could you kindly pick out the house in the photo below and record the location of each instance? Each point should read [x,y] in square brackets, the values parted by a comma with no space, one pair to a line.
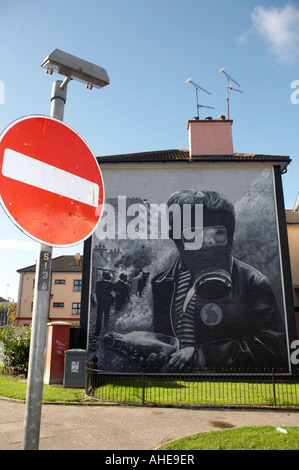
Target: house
[230,307]
[65,295]
[292,220]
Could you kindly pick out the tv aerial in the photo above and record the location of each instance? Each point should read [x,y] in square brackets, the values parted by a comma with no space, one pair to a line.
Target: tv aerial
[229,87]
[197,89]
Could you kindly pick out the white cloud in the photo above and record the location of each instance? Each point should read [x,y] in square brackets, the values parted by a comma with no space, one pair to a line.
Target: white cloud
[17,245]
[279,28]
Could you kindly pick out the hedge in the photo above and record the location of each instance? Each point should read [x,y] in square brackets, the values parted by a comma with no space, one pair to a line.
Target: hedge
[16,343]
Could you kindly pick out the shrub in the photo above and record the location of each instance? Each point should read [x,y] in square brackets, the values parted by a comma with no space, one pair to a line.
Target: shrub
[16,340]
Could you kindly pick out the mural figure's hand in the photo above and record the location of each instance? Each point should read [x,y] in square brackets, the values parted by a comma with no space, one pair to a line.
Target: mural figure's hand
[180,358]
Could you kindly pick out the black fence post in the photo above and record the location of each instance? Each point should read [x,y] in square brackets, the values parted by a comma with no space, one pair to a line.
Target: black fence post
[143,385]
[273,386]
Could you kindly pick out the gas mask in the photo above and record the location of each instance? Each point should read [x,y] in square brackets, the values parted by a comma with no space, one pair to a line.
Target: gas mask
[211,264]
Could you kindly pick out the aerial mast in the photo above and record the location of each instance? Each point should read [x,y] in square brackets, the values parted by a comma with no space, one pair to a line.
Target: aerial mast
[197,89]
[229,87]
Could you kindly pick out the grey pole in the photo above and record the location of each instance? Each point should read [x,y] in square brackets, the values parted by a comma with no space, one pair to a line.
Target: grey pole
[58,99]
[40,315]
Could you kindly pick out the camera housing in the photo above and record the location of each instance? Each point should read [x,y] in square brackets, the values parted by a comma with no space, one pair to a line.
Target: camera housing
[75,68]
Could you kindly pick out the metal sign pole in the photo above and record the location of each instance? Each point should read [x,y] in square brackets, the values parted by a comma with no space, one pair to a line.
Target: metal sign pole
[37,348]
[40,316]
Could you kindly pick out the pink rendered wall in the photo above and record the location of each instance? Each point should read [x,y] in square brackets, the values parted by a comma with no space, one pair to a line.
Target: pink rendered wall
[210,137]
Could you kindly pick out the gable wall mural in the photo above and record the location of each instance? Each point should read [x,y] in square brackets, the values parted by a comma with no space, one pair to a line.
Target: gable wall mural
[185,270]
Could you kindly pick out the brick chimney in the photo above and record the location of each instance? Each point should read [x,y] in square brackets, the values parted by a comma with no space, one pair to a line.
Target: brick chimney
[210,137]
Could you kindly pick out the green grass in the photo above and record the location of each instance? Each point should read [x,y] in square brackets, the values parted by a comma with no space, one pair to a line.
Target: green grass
[248,438]
[199,393]
[16,388]
[166,392]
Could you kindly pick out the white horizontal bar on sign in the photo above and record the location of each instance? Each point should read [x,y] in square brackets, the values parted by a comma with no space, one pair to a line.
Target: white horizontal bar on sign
[44,176]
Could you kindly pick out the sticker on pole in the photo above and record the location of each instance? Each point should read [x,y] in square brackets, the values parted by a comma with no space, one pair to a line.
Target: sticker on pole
[51,185]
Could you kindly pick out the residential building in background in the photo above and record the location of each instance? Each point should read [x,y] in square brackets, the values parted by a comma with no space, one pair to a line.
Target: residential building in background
[65,296]
[292,219]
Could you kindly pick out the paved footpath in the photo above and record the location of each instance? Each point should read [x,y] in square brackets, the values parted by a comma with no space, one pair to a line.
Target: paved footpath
[109,427]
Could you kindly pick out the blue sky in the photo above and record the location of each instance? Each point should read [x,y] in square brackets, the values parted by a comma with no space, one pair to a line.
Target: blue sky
[149,49]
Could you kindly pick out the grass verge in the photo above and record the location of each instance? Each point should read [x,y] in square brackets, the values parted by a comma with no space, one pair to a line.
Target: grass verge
[197,393]
[247,438]
[156,392]
[16,388]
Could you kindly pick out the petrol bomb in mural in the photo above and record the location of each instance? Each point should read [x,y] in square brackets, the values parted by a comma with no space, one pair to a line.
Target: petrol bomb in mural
[144,346]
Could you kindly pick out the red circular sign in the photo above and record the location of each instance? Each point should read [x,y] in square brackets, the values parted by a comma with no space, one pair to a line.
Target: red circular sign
[51,185]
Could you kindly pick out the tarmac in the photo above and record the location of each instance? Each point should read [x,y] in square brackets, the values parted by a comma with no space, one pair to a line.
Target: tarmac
[125,428]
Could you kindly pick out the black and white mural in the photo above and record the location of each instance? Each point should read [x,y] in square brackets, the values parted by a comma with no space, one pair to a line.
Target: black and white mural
[186,271]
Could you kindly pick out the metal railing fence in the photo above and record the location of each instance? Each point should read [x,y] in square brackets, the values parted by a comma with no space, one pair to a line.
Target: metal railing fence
[218,388]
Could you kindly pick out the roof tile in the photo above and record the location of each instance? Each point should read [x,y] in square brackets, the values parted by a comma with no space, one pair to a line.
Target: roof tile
[61,264]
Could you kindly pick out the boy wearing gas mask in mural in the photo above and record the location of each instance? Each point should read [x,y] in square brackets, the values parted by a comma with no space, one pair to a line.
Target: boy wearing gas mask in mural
[222,311]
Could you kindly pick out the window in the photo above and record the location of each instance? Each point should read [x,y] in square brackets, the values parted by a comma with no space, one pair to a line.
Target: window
[76,308]
[59,281]
[58,304]
[77,285]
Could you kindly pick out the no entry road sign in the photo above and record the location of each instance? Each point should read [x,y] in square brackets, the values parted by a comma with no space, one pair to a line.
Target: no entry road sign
[51,185]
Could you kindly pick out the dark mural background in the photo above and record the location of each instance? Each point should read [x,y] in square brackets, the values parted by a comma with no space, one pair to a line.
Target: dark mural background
[138,312]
